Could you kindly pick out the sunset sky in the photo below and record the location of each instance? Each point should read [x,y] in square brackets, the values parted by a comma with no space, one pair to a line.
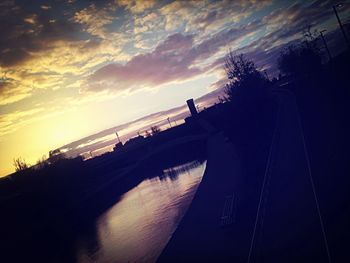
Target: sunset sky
[73,68]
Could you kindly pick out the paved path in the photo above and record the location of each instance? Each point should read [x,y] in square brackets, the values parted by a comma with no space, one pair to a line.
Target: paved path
[287,227]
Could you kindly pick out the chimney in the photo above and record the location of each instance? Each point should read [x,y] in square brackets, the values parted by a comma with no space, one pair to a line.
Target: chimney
[192,107]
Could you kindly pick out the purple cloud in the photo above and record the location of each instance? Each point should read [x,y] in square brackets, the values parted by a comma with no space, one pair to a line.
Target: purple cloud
[171,60]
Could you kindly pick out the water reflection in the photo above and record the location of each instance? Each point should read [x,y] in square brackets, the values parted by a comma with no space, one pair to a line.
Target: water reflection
[138,226]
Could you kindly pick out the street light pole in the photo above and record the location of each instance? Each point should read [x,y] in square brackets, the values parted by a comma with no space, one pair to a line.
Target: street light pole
[118,137]
[169,121]
[325,45]
[340,24]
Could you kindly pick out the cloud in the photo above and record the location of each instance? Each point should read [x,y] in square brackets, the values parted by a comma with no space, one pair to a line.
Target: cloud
[147,23]
[12,121]
[10,92]
[176,58]
[74,43]
[281,27]
[94,19]
[171,60]
[45,48]
[24,33]
[288,23]
[136,6]
[121,46]
[218,84]
[208,15]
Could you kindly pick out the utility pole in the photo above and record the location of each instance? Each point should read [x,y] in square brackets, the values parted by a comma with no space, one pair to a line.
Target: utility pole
[118,137]
[325,44]
[340,24]
[169,121]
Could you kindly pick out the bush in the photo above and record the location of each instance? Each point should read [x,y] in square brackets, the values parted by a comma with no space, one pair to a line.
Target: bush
[20,164]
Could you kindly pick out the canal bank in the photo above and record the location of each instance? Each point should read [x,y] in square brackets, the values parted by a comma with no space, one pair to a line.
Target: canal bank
[201,234]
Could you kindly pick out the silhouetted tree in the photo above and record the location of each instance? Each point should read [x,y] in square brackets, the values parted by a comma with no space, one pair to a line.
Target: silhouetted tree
[304,58]
[245,79]
[20,164]
[155,130]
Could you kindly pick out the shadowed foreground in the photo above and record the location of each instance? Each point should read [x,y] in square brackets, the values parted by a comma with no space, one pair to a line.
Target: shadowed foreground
[275,219]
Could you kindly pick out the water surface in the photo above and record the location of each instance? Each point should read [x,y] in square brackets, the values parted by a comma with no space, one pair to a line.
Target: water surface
[139,225]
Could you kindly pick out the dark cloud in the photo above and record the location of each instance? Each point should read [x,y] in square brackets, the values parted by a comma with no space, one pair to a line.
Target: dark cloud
[3,86]
[6,85]
[10,92]
[29,28]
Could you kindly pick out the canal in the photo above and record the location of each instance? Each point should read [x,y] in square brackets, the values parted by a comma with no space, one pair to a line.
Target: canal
[139,225]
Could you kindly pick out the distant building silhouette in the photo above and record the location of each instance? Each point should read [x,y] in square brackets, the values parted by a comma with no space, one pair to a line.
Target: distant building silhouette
[118,146]
[132,142]
[192,107]
[135,140]
[56,155]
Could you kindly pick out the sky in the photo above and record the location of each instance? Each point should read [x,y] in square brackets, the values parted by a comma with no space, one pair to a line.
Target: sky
[70,68]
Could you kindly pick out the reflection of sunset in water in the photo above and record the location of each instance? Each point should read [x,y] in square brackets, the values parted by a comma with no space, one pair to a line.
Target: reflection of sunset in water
[137,228]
